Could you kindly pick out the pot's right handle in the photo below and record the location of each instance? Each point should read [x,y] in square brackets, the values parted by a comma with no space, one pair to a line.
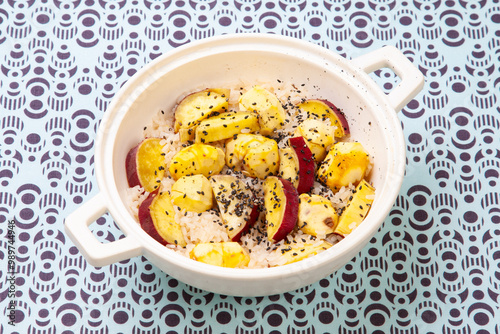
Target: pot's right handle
[96,253]
[412,80]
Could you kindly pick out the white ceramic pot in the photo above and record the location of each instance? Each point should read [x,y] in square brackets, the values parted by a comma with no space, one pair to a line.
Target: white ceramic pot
[252,58]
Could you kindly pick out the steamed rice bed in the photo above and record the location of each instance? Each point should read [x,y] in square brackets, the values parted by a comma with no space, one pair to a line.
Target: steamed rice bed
[208,226]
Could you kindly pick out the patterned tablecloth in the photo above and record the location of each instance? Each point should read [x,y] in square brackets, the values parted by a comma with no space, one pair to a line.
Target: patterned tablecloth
[434,266]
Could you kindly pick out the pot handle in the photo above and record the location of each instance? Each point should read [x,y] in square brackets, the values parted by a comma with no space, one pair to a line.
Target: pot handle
[412,80]
[96,253]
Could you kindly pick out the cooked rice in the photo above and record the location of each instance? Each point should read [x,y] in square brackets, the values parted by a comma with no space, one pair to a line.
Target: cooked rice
[208,226]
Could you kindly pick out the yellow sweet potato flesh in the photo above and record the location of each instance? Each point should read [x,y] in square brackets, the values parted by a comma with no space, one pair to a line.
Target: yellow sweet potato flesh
[187,134]
[293,253]
[275,204]
[235,202]
[197,106]
[222,254]
[263,160]
[197,159]
[346,163]
[317,109]
[271,113]
[234,256]
[256,155]
[209,253]
[193,193]
[289,165]
[237,147]
[150,164]
[317,216]
[318,135]
[162,212]
[225,126]
[357,208]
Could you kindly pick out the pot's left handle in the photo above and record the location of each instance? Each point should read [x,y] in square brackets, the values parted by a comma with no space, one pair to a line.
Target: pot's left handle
[98,254]
[412,80]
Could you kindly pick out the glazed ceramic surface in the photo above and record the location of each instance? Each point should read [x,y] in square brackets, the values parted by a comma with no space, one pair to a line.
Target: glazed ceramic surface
[249,58]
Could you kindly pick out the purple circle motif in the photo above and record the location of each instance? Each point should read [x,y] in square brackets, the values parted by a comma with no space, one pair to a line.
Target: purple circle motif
[273,320]
[326,317]
[68,319]
[120,317]
[172,320]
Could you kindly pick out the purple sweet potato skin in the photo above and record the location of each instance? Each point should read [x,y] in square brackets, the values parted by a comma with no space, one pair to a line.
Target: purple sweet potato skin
[131,167]
[291,210]
[146,220]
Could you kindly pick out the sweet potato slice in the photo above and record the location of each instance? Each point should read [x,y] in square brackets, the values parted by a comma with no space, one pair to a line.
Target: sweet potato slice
[226,125]
[281,201]
[145,164]
[236,204]
[197,106]
[222,254]
[357,208]
[193,193]
[346,163]
[306,164]
[271,113]
[317,215]
[323,110]
[197,159]
[157,218]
